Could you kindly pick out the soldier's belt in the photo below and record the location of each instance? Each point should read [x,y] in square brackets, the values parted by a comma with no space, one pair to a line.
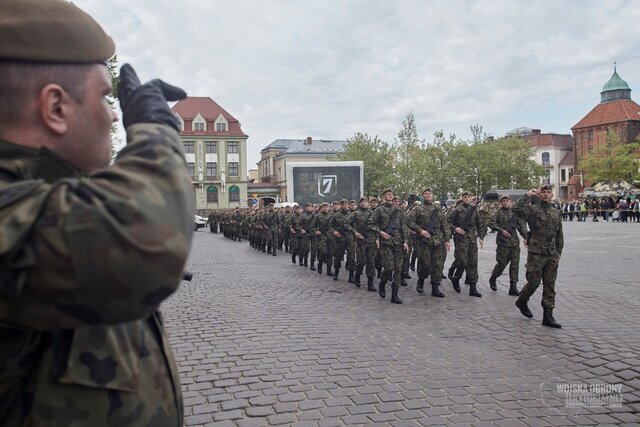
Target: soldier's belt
[542,238]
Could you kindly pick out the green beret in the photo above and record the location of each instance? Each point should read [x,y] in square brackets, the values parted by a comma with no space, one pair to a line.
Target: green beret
[52,31]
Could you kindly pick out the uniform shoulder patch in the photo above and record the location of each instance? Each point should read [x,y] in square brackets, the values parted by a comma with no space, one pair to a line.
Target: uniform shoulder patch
[16,191]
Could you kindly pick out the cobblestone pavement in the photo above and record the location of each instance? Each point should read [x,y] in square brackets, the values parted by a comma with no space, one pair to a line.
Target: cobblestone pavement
[261,341]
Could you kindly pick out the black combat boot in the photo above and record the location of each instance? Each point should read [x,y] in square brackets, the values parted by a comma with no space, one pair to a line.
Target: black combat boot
[455,281]
[547,318]
[286,249]
[473,291]
[273,252]
[306,259]
[420,286]
[403,281]
[335,273]
[492,283]
[329,273]
[450,272]
[313,266]
[379,273]
[293,258]
[356,276]
[406,276]
[435,292]
[524,308]
[412,264]
[350,280]
[383,281]
[394,296]
[513,289]
[370,286]
[319,267]
[300,261]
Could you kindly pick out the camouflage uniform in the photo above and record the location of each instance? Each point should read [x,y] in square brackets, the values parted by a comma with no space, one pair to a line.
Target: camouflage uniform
[545,248]
[338,224]
[431,251]
[271,223]
[304,233]
[508,248]
[86,261]
[365,248]
[321,225]
[466,246]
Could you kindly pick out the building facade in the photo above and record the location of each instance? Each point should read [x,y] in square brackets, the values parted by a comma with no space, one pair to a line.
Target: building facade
[616,111]
[272,166]
[216,152]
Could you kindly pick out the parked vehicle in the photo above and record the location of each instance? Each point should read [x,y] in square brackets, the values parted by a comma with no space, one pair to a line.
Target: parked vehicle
[199,222]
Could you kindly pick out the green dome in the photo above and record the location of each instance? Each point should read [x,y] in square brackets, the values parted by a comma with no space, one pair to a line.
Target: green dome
[615,83]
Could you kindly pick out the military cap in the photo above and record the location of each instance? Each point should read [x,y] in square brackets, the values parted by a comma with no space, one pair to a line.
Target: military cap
[465,193]
[297,207]
[271,204]
[546,187]
[427,189]
[505,196]
[352,201]
[344,201]
[362,199]
[52,31]
[308,204]
[373,199]
[396,198]
[385,191]
[324,204]
[335,202]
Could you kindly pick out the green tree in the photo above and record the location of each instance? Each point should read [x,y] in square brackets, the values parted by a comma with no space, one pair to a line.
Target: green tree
[612,161]
[112,66]
[377,157]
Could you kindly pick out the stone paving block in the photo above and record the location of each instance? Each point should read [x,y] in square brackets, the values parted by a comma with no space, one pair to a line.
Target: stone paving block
[280,419]
[228,415]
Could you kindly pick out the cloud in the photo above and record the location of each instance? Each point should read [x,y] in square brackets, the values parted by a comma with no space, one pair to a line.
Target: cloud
[329,69]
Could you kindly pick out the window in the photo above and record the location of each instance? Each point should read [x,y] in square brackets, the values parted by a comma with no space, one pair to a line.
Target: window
[221,127]
[212,194]
[188,147]
[234,194]
[233,169]
[192,169]
[545,159]
[232,147]
[563,175]
[212,169]
[570,172]
[210,146]
[590,135]
[198,127]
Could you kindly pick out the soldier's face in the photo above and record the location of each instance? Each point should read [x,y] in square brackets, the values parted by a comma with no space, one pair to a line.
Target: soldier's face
[336,207]
[506,203]
[395,202]
[428,196]
[373,204]
[324,209]
[466,199]
[545,195]
[388,196]
[353,206]
[364,204]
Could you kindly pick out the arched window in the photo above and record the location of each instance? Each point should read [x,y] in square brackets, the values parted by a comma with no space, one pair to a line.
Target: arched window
[212,194]
[546,160]
[234,194]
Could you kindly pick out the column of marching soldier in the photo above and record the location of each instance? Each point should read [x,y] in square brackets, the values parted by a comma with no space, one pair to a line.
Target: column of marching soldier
[384,239]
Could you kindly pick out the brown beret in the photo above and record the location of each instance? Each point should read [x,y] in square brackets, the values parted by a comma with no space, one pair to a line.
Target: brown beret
[53,31]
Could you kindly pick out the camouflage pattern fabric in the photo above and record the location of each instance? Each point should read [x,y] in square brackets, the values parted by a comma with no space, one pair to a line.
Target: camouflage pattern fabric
[391,251]
[304,231]
[271,221]
[466,246]
[365,248]
[82,341]
[508,249]
[431,251]
[321,224]
[338,223]
[545,247]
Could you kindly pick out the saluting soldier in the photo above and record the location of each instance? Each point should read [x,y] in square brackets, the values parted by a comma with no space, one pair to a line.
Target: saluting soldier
[507,225]
[545,248]
[432,241]
[388,223]
[466,227]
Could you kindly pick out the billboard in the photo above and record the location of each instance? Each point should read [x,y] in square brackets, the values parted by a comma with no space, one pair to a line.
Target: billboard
[317,182]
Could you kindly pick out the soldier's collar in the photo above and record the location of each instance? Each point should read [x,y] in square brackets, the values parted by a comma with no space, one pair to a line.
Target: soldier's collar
[37,163]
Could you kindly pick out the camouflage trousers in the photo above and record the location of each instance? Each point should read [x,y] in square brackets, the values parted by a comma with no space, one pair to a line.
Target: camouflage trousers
[507,255]
[303,246]
[340,245]
[366,256]
[431,261]
[545,268]
[313,242]
[392,257]
[324,253]
[271,236]
[351,253]
[293,244]
[466,257]
[406,258]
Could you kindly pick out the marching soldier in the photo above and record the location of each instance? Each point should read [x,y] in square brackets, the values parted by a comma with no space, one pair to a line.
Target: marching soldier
[322,231]
[337,225]
[358,225]
[507,224]
[545,248]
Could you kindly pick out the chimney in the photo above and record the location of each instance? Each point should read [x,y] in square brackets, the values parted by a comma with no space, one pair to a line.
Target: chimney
[309,140]
[535,131]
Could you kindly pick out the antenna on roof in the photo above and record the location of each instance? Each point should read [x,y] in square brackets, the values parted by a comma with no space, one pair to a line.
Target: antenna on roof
[614,65]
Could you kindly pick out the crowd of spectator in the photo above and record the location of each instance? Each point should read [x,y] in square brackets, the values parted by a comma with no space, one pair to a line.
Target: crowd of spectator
[607,209]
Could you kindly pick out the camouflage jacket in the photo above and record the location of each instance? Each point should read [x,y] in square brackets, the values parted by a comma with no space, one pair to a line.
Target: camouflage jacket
[271,220]
[380,220]
[501,220]
[321,223]
[474,228]
[303,222]
[338,222]
[359,222]
[545,224]
[420,218]
[85,263]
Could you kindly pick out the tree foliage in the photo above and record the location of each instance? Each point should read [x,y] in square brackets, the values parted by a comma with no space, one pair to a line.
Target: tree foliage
[612,161]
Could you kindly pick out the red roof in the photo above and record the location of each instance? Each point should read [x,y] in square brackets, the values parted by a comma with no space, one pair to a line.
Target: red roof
[568,159]
[564,142]
[620,110]
[189,108]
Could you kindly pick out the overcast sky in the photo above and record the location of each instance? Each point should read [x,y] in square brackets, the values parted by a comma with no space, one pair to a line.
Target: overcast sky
[327,69]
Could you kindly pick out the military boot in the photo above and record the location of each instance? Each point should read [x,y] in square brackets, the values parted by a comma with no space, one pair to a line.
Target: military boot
[435,292]
[403,282]
[335,273]
[356,279]
[264,249]
[370,286]
[524,308]
[547,318]
[293,258]
[473,291]
[492,283]
[420,286]
[300,261]
[456,283]
[513,289]
[313,266]
[350,280]
[450,272]
[379,273]
[383,281]
[319,267]
[394,296]
[329,273]
[306,259]
[273,252]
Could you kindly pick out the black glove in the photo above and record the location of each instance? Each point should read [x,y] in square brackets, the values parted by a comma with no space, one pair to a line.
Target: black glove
[146,103]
